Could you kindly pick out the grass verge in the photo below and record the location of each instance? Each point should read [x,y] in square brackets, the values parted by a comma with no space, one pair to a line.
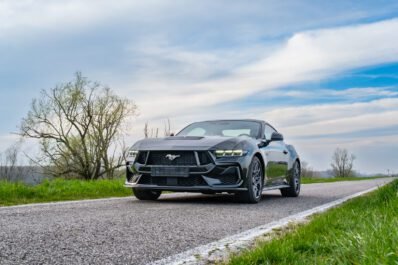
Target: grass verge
[60,190]
[361,231]
[306,180]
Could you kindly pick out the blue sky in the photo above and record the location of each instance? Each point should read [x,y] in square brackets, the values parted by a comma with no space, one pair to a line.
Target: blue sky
[325,74]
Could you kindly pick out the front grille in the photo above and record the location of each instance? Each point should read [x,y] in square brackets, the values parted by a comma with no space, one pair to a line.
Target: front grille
[169,171]
[170,181]
[184,158]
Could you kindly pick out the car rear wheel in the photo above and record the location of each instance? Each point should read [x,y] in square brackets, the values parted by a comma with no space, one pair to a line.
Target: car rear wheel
[295,182]
[254,183]
[146,195]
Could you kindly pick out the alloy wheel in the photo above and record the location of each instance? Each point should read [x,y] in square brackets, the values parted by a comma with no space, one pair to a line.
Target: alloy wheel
[296,177]
[257,179]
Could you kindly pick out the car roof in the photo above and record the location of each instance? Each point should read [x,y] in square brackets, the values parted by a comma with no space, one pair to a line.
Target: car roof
[263,123]
[255,120]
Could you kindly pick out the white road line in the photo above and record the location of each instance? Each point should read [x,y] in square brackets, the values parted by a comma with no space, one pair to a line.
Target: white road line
[221,249]
[78,201]
[64,202]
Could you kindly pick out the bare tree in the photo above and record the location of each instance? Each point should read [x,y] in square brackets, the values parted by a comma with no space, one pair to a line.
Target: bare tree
[306,170]
[154,132]
[167,128]
[9,169]
[342,163]
[150,132]
[79,127]
[146,130]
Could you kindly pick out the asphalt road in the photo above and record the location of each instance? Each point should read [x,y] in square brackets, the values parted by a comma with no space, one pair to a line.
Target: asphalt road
[127,231]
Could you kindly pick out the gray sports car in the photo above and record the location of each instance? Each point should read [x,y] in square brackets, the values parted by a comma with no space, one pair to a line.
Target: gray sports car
[243,157]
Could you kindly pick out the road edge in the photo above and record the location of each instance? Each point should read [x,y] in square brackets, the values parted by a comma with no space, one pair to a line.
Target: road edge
[221,249]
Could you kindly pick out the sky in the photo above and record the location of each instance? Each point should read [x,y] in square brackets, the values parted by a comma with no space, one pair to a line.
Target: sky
[325,74]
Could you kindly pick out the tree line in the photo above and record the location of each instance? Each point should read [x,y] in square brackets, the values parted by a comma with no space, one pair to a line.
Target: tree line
[342,165]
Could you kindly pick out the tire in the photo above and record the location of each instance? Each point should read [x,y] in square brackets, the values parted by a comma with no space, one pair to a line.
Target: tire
[254,183]
[146,195]
[294,182]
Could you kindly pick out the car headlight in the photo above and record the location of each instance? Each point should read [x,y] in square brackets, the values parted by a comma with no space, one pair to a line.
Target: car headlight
[230,153]
[132,154]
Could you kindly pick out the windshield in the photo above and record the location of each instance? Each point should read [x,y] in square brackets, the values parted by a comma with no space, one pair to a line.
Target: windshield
[222,128]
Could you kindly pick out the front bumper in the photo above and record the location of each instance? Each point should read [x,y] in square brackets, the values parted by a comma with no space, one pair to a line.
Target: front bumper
[218,176]
[183,188]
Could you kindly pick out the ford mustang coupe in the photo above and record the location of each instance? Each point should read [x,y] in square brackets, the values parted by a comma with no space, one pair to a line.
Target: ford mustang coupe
[243,157]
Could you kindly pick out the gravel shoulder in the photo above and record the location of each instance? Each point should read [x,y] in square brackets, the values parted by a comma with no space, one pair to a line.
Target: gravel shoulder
[127,231]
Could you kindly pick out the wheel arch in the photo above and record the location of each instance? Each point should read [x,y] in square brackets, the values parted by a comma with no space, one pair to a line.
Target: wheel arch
[262,162]
[293,156]
[298,161]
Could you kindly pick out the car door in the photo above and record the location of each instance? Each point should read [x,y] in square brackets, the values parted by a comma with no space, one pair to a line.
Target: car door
[277,157]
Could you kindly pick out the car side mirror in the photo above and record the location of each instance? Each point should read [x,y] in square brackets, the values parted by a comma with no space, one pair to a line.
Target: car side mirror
[264,143]
[276,137]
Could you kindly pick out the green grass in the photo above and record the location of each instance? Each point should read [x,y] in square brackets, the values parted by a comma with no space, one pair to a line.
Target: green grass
[60,190]
[361,231]
[306,180]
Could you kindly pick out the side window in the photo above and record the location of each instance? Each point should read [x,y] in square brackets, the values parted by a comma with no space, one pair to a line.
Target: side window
[268,132]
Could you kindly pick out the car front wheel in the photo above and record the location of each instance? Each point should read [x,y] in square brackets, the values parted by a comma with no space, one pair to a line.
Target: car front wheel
[254,183]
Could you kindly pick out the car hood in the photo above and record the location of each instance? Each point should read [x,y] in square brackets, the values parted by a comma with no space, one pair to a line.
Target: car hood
[191,143]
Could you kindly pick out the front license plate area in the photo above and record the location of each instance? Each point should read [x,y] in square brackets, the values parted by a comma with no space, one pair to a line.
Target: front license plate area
[170,172]
[172,181]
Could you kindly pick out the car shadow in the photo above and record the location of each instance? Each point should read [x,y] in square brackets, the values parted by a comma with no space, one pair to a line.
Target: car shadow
[207,199]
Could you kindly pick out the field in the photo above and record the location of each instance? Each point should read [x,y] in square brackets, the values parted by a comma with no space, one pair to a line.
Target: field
[61,190]
[306,180]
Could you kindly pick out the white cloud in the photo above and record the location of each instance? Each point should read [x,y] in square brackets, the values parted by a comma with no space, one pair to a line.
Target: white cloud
[214,19]
[6,140]
[374,154]
[306,56]
[30,17]
[309,114]
[350,93]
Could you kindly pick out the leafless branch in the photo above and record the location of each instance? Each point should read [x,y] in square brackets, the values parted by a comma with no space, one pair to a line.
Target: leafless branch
[79,127]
